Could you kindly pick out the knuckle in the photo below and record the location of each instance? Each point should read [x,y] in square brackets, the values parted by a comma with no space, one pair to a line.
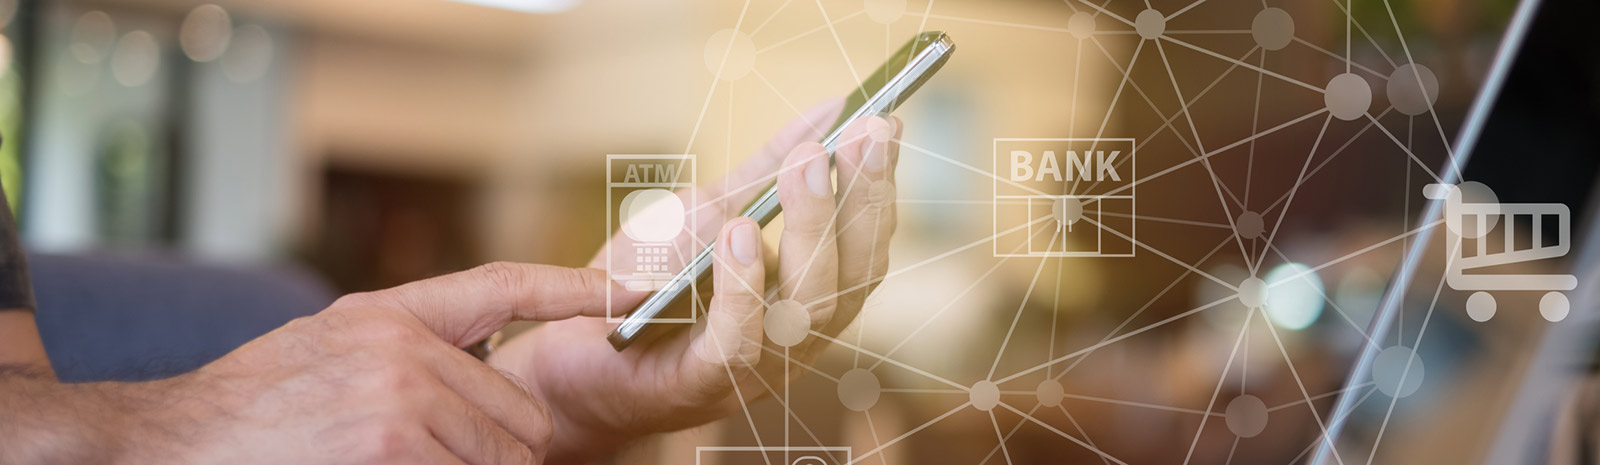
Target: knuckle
[575,278]
[544,431]
[880,194]
[385,332]
[397,381]
[503,275]
[811,217]
[538,421]
[387,441]
[822,313]
[808,235]
[519,454]
[743,301]
[358,299]
[506,279]
[748,356]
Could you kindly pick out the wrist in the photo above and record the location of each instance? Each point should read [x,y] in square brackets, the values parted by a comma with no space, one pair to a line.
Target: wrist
[51,422]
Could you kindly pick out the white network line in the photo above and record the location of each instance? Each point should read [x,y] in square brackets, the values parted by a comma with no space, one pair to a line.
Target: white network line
[1200,155]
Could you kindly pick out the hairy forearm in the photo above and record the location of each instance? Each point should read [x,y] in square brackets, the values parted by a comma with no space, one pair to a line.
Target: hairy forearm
[43,421]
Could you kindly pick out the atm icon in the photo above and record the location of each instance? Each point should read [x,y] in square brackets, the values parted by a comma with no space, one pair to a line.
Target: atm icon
[1064,197]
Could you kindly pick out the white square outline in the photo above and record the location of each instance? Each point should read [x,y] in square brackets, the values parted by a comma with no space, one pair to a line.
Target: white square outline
[610,234]
[701,450]
[1133,189]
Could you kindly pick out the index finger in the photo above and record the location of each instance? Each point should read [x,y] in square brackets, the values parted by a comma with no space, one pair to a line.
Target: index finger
[467,306]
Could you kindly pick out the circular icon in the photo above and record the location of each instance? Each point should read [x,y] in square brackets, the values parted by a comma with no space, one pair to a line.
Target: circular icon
[1050,393]
[1246,416]
[1272,29]
[859,389]
[1067,211]
[787,323]
[1253,292]
[1150,24]
[1487,204]
[1348,96]
[1081,25]
[1554,306]
[1250,225]
[1480,306]
[1413,89]
[1398,371]
[985,395]
[652,215]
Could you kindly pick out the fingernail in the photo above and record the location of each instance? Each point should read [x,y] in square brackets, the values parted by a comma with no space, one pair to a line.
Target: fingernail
[817,176]
[875,148]
[743,241]
[876,156]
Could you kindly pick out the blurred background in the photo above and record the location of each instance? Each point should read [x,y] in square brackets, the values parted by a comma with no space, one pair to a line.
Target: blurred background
[370,143]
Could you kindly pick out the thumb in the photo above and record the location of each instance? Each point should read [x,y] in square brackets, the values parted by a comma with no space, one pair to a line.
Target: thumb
[467,306]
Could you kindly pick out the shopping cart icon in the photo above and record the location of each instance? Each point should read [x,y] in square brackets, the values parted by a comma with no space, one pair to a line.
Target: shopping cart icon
[1471,222]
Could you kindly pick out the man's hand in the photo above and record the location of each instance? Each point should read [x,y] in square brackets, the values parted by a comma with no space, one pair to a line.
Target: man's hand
[377,378]
[833,251]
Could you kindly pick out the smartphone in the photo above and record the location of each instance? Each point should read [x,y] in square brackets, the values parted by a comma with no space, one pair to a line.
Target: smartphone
[883,91]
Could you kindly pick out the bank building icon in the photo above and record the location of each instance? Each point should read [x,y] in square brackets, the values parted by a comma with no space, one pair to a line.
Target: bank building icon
[1063,197]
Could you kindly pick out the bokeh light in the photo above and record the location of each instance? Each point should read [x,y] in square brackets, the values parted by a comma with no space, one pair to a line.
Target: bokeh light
[92,37]
[136,59]
[205,33]
[1294,296]
[249,54]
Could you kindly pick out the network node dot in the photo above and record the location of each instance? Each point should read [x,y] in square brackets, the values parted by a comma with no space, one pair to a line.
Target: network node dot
[1405,93]
[1480,306]
[1273,29]
[730,54]
[1250,225]
[985,395]
[1150,24]
[1081,25]
[1067,211]
[1253,292]
[1348,96]
[1390,366]
[1051,393]
[859,390]
[787,323]
[885,11]
[1246,416]
[1484,202]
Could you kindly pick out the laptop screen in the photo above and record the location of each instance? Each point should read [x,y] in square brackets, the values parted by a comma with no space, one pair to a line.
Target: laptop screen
[1484,351]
